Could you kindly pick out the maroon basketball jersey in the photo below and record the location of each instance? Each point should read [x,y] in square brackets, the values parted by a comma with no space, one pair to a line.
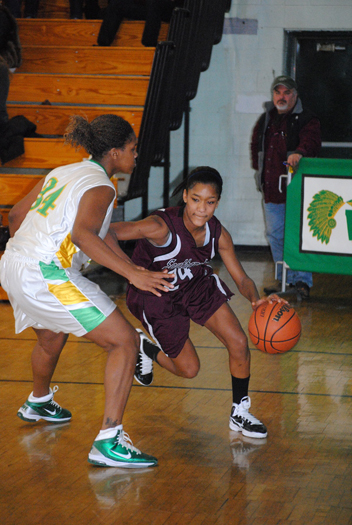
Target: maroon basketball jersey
[179,255]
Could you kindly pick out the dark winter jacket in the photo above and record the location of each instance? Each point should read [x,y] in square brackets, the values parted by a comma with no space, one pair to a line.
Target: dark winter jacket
[274,138]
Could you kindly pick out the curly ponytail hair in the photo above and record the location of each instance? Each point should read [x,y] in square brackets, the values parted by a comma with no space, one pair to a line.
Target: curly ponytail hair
[99,136]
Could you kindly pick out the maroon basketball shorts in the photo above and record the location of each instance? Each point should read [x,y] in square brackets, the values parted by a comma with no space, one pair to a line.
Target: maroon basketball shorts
[167,318]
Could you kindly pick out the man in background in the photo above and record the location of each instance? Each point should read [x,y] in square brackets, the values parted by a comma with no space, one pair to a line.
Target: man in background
[281,137]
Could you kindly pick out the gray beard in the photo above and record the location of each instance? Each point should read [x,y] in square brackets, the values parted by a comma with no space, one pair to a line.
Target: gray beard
[280,107]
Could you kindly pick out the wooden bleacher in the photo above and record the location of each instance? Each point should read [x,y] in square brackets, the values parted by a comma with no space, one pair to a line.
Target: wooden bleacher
[57,80]
[54,9]
[78,90]
[53,119]
[87,60]
[47,154]
[52,32]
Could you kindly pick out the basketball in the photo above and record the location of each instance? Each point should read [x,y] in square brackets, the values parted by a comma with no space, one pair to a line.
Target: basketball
[274,328]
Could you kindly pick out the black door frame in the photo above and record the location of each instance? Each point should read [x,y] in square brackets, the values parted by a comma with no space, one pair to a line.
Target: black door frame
[291,42]
[342,149]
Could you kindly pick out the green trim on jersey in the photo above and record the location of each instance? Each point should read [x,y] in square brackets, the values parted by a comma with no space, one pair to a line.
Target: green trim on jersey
[98,164]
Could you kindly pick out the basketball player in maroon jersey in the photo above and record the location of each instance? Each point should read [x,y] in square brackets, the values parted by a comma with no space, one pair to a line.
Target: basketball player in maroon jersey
[182,240]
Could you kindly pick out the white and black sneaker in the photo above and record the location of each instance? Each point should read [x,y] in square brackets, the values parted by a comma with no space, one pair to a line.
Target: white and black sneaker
[242,421]
[144,367]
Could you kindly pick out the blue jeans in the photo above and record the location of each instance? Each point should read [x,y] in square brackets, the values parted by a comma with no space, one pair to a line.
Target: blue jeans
[275,230]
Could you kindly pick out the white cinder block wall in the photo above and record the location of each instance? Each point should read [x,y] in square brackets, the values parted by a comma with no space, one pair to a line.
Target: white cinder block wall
[229,100]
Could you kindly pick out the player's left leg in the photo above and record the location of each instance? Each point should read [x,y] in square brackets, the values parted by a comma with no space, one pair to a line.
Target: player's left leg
[119,339]
[184,363]
[169,327]
[144,367]
[226,327]
[45,356]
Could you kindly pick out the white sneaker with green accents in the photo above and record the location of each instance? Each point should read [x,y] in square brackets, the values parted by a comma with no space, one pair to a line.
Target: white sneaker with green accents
[48,409]
[118,451]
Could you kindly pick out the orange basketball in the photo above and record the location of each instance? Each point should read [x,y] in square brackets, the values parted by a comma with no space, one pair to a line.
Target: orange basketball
[274,328]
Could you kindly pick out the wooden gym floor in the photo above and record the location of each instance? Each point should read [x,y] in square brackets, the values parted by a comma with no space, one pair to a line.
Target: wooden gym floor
[207,474]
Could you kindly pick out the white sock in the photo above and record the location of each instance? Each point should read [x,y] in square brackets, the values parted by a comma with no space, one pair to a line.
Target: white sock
[44,399]
[108,433]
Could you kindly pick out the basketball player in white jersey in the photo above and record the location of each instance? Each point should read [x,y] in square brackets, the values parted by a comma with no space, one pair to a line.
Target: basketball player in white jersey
[55,229]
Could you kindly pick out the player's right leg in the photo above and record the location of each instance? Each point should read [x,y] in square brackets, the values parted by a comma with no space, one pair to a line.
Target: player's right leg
[112,446]
[40,403]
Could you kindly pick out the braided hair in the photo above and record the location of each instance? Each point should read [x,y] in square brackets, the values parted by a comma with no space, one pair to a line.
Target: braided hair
[100,135]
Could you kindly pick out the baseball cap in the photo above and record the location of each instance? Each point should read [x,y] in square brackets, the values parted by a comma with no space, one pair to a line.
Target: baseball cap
[284,80]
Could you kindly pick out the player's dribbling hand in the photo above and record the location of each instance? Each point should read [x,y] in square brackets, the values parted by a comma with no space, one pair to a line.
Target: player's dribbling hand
[274,297]
[270,298]
[151,281]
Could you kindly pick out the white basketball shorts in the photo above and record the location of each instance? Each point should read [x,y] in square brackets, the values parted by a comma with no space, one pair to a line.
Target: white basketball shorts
[44,296]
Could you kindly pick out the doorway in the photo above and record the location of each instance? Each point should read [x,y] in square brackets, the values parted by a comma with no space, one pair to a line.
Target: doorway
[321,63]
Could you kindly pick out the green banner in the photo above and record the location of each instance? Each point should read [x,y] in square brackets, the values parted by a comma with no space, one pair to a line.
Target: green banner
[318,223]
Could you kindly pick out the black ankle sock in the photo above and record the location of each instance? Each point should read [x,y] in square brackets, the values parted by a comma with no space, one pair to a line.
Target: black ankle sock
[151,350]
[239,389]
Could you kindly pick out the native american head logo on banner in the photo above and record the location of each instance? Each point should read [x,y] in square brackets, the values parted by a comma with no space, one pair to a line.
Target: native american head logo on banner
[322,211]
[326,225]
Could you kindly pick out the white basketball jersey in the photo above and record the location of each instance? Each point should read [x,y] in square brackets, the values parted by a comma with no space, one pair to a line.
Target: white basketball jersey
[45,233]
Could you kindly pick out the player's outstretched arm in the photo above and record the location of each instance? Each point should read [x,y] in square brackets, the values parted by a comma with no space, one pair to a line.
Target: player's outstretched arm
[153,228]
[85,235]
[244,283]
[113,243]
